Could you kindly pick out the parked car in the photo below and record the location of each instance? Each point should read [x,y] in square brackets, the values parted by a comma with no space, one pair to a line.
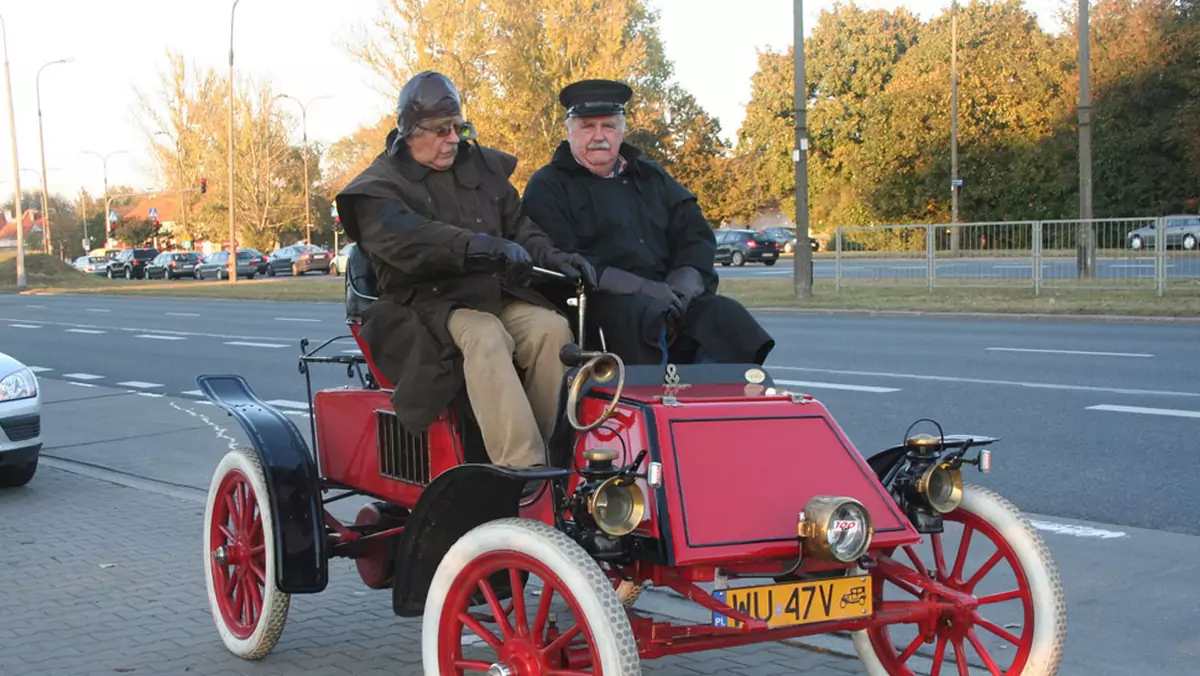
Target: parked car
[92,265]
[785,238]
[737,247]
[1181,230]
[20,423]
[216,265]
[338,266]
[130,263]
[260,259]
[298,259]
[173,265]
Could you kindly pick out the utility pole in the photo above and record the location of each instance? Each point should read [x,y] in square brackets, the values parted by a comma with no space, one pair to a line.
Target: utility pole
[22,282]
[955,184]
[232,230]
[1086,241]
[802,253]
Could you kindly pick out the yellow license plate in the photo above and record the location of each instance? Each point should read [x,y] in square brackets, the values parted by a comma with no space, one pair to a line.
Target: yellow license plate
[785,605]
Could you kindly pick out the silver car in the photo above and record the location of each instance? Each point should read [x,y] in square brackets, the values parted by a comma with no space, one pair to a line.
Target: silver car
[92,265]
[1181,230]
[20,423]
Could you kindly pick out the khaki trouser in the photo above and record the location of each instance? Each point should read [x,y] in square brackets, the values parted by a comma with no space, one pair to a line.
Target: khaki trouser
[515,417]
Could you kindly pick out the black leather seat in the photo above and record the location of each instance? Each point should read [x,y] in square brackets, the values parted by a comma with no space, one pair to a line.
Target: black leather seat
[361,284]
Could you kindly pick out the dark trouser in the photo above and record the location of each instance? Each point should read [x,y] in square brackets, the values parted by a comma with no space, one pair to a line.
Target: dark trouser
[715,329]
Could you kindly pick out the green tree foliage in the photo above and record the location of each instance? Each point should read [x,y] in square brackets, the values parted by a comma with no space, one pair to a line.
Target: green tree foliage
[879,115]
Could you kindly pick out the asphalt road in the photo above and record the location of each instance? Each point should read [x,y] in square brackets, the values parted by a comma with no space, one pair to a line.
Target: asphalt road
[1100,423]
[1081,406]
[1180,265]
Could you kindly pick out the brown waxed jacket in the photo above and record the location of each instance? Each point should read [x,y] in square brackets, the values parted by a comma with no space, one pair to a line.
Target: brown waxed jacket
[414,223]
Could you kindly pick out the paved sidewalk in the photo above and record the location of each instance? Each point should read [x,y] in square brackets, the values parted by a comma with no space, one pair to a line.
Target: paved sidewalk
[99,578]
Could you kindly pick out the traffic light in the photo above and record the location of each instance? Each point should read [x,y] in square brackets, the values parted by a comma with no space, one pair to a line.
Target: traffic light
[203,185]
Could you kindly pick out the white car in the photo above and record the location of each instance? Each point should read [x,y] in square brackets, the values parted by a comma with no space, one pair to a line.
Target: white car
[20,423]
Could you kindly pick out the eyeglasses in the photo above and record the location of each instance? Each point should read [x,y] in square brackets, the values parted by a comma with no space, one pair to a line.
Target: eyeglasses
[461,129]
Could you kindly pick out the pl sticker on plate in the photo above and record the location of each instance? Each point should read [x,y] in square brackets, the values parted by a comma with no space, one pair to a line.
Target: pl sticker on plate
[755,376]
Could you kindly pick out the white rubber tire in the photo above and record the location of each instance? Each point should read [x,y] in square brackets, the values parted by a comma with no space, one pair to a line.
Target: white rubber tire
[275,603]
[1049,602]
[591,588]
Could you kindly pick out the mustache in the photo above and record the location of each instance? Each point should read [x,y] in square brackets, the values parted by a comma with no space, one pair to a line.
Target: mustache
[599,145]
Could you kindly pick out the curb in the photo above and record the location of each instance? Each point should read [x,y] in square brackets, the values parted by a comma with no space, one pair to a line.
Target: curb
[939,314]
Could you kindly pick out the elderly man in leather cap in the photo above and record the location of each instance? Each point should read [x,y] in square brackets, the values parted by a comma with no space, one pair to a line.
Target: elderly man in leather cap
[453,255]
[646,237]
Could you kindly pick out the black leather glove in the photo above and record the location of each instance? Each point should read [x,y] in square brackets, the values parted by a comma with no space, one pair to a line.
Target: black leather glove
[620,282]
[497,254]
[572,265]
[687,283]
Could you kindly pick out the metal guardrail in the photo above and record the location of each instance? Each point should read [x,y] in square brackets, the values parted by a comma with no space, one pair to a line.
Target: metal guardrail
[1128,254]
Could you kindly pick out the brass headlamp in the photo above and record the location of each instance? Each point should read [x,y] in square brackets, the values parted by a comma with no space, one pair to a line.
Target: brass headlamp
[835,529]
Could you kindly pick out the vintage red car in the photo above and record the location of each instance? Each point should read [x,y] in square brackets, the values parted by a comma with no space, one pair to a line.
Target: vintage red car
[744,497]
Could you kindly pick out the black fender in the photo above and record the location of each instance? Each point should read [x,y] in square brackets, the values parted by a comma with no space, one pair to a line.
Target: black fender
[884,461]
[458,500]
[292,483]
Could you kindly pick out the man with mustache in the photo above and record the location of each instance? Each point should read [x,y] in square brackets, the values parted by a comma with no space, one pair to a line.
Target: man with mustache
[445,236]
[646,237]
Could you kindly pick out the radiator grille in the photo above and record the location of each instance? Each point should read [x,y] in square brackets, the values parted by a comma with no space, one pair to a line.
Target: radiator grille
[22,427]
[402,455]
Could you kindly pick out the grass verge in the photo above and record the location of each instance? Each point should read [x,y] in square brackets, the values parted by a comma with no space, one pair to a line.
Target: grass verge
[50,276]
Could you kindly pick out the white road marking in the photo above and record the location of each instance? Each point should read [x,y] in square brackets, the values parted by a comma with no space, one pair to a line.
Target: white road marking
[837,386]
[193,393]
[351,351]
[81,384]
[38,307]
[1077,531]
[24,326]
[288,403]
[149,330]
[39,369]
[985,381]
[92,309]
[154,336]
[298,414]
[183,314]
[82,376]
[1082,352]
[139,384]
[296,319]
[246,344]
[1173,412]
[92,332]
[149,394]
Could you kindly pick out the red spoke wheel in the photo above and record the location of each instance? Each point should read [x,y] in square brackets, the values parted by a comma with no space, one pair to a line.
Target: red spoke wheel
[239,559]
[523,572]
[1017,623]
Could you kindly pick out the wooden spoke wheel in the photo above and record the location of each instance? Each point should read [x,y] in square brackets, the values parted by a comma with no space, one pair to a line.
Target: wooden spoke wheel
[1015,623]
[530,578]
[239,559]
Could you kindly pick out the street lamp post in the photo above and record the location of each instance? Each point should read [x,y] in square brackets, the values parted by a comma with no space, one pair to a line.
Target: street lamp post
[232,232]
[48,245]
[104,161]
[304,126]
[16,164]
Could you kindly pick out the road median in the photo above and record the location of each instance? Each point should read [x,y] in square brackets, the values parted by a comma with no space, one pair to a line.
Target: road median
[1181,300]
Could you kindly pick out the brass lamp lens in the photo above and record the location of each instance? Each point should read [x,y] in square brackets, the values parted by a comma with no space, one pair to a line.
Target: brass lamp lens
[943,489]
[618,509]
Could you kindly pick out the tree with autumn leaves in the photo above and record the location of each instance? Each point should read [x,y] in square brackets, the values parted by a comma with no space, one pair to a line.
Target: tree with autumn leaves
[878,113]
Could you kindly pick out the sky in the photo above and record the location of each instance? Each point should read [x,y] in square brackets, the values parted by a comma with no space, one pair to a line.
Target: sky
[119,49]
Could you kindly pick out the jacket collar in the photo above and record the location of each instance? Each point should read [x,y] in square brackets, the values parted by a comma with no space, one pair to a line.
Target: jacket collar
[464,169]
[563,159]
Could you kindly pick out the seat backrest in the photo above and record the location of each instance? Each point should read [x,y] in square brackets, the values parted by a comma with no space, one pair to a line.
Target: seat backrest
[361,284]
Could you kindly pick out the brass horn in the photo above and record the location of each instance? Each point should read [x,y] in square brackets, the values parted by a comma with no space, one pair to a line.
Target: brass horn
[602,368]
